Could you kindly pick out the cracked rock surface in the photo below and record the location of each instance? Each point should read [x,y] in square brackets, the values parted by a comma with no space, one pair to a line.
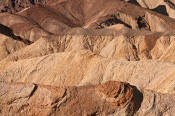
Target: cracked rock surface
[87,58]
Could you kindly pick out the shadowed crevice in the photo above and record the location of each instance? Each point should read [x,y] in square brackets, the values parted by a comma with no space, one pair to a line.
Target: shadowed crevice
[142,23]
[33,91]
[8,32]
[137,99]
[170,4]
[32,2]
[134,2]
[93,114]
[112,21]
[161,9]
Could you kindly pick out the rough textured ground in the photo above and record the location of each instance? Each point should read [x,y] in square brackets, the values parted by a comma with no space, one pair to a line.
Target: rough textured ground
[87,57]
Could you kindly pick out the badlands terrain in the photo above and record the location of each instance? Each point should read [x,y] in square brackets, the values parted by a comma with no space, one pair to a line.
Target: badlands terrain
[87,57]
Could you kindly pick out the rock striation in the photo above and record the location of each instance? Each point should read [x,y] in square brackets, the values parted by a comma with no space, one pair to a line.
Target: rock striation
[33,99]
[87,58]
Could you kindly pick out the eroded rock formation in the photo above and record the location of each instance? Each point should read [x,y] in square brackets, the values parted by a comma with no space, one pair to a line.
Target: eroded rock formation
[87,58]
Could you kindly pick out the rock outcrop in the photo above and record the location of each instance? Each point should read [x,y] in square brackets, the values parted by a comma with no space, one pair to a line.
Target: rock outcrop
[32,99]
[110,98]
[165,7]
[18,5]
[87,58]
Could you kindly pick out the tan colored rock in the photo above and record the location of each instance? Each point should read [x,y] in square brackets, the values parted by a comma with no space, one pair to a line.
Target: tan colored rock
[154,104]
[8,46]
[166,7]
[76,57]
[32,99]
[110,98]
[84,67]
[37,21]
[26,29]
[123,46]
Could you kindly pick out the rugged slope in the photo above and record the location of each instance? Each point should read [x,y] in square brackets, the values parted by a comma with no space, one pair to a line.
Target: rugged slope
[110,98]
[59,17]
[66,101]
[17,5]
[82,57]
[166,7]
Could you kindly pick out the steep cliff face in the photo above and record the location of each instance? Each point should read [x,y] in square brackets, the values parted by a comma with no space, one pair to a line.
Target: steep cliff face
[84,57]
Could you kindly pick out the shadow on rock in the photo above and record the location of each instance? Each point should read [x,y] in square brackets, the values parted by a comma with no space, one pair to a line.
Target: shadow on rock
[161,9]
[137,99]
[9,32]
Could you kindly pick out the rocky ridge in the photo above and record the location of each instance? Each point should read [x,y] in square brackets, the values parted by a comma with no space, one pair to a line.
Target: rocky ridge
[90,58]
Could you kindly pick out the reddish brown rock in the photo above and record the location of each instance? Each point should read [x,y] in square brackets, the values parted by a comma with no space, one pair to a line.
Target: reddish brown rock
[82,54]
[32,99]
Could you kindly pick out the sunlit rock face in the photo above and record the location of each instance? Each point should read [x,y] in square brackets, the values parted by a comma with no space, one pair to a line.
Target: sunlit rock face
[165,7]
[87,58]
